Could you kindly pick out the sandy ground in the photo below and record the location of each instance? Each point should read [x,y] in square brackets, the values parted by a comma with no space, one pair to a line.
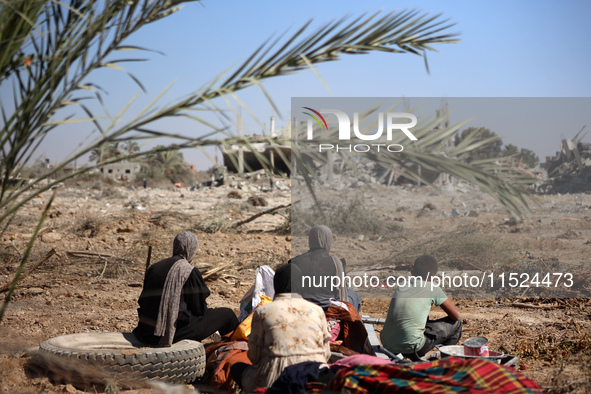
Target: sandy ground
[83,292]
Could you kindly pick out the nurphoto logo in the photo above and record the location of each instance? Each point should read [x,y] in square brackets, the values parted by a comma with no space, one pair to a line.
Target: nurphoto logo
[393,124]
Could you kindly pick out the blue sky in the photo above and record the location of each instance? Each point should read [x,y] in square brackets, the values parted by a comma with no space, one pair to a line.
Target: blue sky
[507,49]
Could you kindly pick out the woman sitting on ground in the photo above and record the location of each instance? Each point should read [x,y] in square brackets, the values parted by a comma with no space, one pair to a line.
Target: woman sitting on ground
[172,302]
[319,268]
[287,331]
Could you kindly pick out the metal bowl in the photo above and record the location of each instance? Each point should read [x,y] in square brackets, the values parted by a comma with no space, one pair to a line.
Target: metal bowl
[458,351]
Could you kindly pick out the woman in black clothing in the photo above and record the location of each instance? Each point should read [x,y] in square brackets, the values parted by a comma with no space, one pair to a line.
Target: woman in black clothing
[319,267]
[172,302]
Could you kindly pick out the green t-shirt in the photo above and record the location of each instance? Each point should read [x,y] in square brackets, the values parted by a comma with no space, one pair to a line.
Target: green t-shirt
[408,313]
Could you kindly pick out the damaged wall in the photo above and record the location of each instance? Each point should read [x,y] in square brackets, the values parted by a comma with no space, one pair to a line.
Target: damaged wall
[569,171]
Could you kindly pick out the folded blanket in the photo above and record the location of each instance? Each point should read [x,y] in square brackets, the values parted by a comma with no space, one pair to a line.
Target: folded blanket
[452,375]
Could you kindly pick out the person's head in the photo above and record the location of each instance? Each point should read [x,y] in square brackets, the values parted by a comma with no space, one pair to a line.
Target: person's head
[185,244]
[425,266]
[287,279]
[320,237]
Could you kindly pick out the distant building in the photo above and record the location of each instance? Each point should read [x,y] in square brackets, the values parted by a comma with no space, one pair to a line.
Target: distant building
[121,169]
[252,159]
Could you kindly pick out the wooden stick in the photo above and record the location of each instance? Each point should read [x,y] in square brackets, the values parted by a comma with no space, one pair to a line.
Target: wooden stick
[253,217]
[33,268]
[216,270]
[104,268]
[93,254]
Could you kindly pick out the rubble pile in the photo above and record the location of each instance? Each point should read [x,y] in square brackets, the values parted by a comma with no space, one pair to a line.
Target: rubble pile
[360,172]
[569,171]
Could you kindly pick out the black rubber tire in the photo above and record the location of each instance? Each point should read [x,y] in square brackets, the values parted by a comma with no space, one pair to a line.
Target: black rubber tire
[122,356]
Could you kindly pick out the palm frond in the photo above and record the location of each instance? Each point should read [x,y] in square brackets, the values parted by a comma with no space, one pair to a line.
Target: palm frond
[433,150]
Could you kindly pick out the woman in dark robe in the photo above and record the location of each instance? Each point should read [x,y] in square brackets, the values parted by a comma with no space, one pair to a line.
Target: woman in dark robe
[173,301]
[319,267]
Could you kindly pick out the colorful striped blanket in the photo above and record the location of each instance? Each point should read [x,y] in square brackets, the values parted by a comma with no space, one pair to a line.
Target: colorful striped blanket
[452,375]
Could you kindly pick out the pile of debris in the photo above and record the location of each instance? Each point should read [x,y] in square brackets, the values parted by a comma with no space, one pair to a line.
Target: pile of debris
[361,171]
[570,170]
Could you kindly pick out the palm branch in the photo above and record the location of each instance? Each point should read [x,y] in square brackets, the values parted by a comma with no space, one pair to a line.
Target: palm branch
[434,149]
[68,42]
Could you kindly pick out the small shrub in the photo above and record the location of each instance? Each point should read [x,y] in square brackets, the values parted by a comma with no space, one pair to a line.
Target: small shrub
[257,201]
[115,270]
[429,207]
[217,221]
[454,248]
[234,194]
[111,193]
[285,228]
[348,215]
[212,224]
[90,227]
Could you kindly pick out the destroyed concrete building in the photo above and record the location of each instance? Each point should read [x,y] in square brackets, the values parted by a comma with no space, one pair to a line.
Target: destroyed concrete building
[252,157]
[569,171]
[261,149]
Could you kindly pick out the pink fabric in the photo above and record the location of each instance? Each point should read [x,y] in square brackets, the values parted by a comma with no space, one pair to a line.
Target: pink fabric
[358,359]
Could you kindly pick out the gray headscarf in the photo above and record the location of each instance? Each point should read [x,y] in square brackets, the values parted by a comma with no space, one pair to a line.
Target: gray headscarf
[185,244]
[320,238]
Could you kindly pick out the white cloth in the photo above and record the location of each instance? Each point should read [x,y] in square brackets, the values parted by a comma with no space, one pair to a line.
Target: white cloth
[263,284]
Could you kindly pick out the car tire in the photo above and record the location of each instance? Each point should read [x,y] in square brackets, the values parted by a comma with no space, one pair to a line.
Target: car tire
[121,356]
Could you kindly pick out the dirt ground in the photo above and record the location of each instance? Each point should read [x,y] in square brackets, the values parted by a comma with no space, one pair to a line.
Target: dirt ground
[101,240]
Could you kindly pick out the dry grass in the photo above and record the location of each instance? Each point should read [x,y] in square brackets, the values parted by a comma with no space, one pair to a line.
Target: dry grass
[234,194]
[90,227]
[563,384]
[348,215]
[465,248]
[170,219]
[262,257]
[257,201]
[111,193]
[217,221]
[285,228]
[82,375]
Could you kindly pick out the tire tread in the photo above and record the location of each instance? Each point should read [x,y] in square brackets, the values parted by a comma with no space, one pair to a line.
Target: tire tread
[182,363]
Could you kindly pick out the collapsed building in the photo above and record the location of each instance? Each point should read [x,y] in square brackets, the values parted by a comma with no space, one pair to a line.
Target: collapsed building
[278,157]
[569,171]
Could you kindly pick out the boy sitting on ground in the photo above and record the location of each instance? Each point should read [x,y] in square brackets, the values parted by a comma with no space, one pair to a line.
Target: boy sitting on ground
[408,329]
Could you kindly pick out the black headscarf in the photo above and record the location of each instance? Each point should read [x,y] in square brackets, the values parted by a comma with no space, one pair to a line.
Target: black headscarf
[287,279]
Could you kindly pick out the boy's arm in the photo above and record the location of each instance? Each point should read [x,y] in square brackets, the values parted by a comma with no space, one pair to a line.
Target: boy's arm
[451,310]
